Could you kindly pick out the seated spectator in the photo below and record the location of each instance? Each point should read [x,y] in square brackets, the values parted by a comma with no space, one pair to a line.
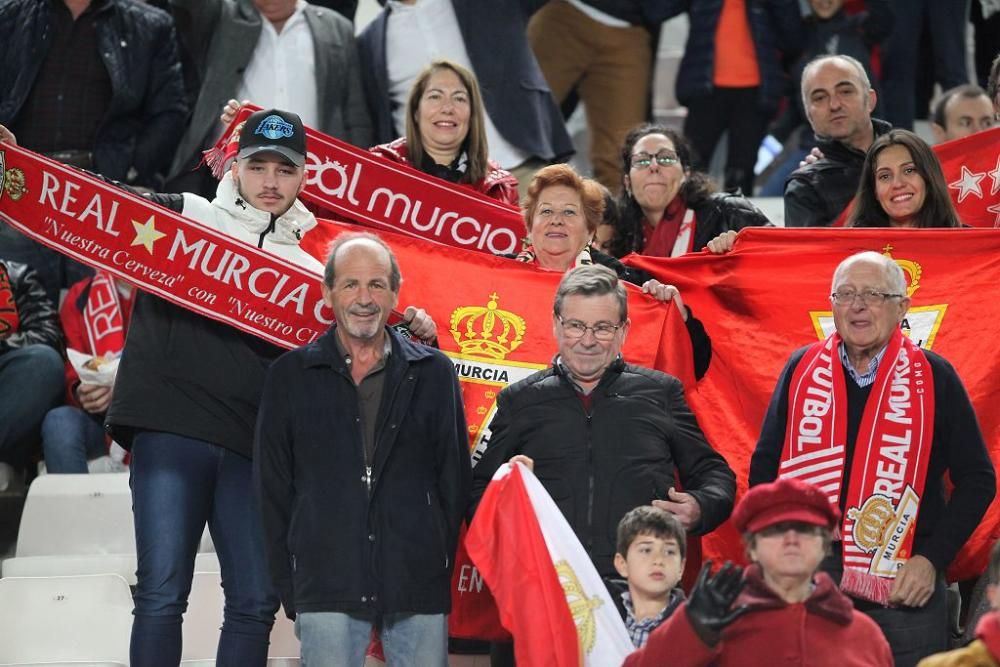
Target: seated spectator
[31,366]
[667,209]
[445,133]
[652,546]
[985,650]
[902,185]
[781,609]
[94,316]
[961,111]
[561,212]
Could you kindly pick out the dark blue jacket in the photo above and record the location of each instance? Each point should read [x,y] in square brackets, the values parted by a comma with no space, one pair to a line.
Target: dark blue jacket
[776,25]
[515,92]
[138,45]
[333,544]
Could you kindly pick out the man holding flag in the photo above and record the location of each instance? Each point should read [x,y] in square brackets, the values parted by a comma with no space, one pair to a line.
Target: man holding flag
[875,422]
[606,436]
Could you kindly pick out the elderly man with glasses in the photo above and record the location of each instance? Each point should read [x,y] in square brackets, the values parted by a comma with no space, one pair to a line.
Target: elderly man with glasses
[876,422]
[605,436]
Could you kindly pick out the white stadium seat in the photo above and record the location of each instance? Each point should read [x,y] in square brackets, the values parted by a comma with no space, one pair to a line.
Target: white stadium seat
[82,619]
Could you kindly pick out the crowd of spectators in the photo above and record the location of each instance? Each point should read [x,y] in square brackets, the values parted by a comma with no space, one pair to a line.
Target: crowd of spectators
[473,94]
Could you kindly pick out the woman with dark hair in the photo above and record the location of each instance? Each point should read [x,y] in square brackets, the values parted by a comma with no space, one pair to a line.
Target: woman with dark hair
[902,185]
[562,211]
[666,208]
[445,132]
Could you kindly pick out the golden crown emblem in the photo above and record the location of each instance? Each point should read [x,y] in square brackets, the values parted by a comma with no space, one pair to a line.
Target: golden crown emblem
[580,606]
[912,270]
[870,522]
[487,332]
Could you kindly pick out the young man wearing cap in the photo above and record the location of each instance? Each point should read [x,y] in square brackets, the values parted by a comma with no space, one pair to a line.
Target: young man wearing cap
[185,404]
[780,609]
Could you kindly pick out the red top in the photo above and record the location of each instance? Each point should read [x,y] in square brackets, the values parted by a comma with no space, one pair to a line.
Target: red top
[735,58]
[498,184]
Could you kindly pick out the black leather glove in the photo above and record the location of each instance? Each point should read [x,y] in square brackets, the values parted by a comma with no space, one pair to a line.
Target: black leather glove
[709,607]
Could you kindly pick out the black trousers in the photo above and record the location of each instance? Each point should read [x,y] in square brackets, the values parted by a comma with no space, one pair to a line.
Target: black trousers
[734,110]
[913,632]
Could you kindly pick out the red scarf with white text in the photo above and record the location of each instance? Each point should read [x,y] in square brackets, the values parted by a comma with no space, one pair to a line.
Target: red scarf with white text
[102,316]
[390,196]
[889,467]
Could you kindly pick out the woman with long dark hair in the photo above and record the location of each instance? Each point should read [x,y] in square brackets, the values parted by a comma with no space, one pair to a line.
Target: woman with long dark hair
[902,185]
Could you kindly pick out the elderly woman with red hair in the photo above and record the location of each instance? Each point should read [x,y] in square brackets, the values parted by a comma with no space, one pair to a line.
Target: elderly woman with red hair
[562,210]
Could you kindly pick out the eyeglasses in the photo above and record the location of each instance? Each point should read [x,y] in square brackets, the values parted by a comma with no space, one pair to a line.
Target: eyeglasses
[574,329]
[643,160]
[869,297]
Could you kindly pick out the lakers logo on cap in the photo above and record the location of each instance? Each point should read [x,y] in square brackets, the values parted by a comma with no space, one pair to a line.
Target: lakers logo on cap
[275,127]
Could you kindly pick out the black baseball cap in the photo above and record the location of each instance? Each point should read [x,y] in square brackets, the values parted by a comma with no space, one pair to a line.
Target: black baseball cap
[274,131]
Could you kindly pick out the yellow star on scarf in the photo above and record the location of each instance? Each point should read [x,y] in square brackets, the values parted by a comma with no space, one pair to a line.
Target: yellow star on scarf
[146,234]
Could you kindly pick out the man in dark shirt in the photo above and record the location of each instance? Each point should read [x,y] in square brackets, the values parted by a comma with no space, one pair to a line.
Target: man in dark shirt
[838,100]
[876,423]
[95,84]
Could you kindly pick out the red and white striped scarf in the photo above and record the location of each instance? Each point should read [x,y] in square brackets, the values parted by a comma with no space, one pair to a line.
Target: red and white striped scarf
[890,456]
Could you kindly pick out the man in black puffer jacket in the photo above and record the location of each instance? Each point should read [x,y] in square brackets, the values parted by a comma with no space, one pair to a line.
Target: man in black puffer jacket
[606,436]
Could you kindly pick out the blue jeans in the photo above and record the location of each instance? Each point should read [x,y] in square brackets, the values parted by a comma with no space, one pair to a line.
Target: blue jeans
[31,383]
[331,639]
[179,484]
[71,436]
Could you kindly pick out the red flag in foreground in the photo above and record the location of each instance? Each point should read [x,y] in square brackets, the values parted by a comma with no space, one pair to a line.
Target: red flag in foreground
[549,593]
[768,297]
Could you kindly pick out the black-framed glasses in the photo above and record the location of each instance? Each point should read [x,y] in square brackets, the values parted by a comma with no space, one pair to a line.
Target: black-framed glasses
[869,297]
[663,158]
[576,329]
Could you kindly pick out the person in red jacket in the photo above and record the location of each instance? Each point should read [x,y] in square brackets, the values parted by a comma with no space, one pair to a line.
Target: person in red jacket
[94,316]
[780,610]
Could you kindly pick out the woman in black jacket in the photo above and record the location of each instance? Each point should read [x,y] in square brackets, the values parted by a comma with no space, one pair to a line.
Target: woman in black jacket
[666,208]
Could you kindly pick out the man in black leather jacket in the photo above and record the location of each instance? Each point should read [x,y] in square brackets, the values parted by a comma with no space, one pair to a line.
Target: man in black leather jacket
[838,99]
[92,83]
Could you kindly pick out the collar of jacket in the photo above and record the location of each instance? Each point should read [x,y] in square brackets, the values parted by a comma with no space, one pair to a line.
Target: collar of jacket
[289,228]
[826,600]
[613,370]
[840,151]
[324,353]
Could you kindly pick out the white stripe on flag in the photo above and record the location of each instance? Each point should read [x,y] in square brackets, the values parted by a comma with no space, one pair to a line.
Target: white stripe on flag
[603,637]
